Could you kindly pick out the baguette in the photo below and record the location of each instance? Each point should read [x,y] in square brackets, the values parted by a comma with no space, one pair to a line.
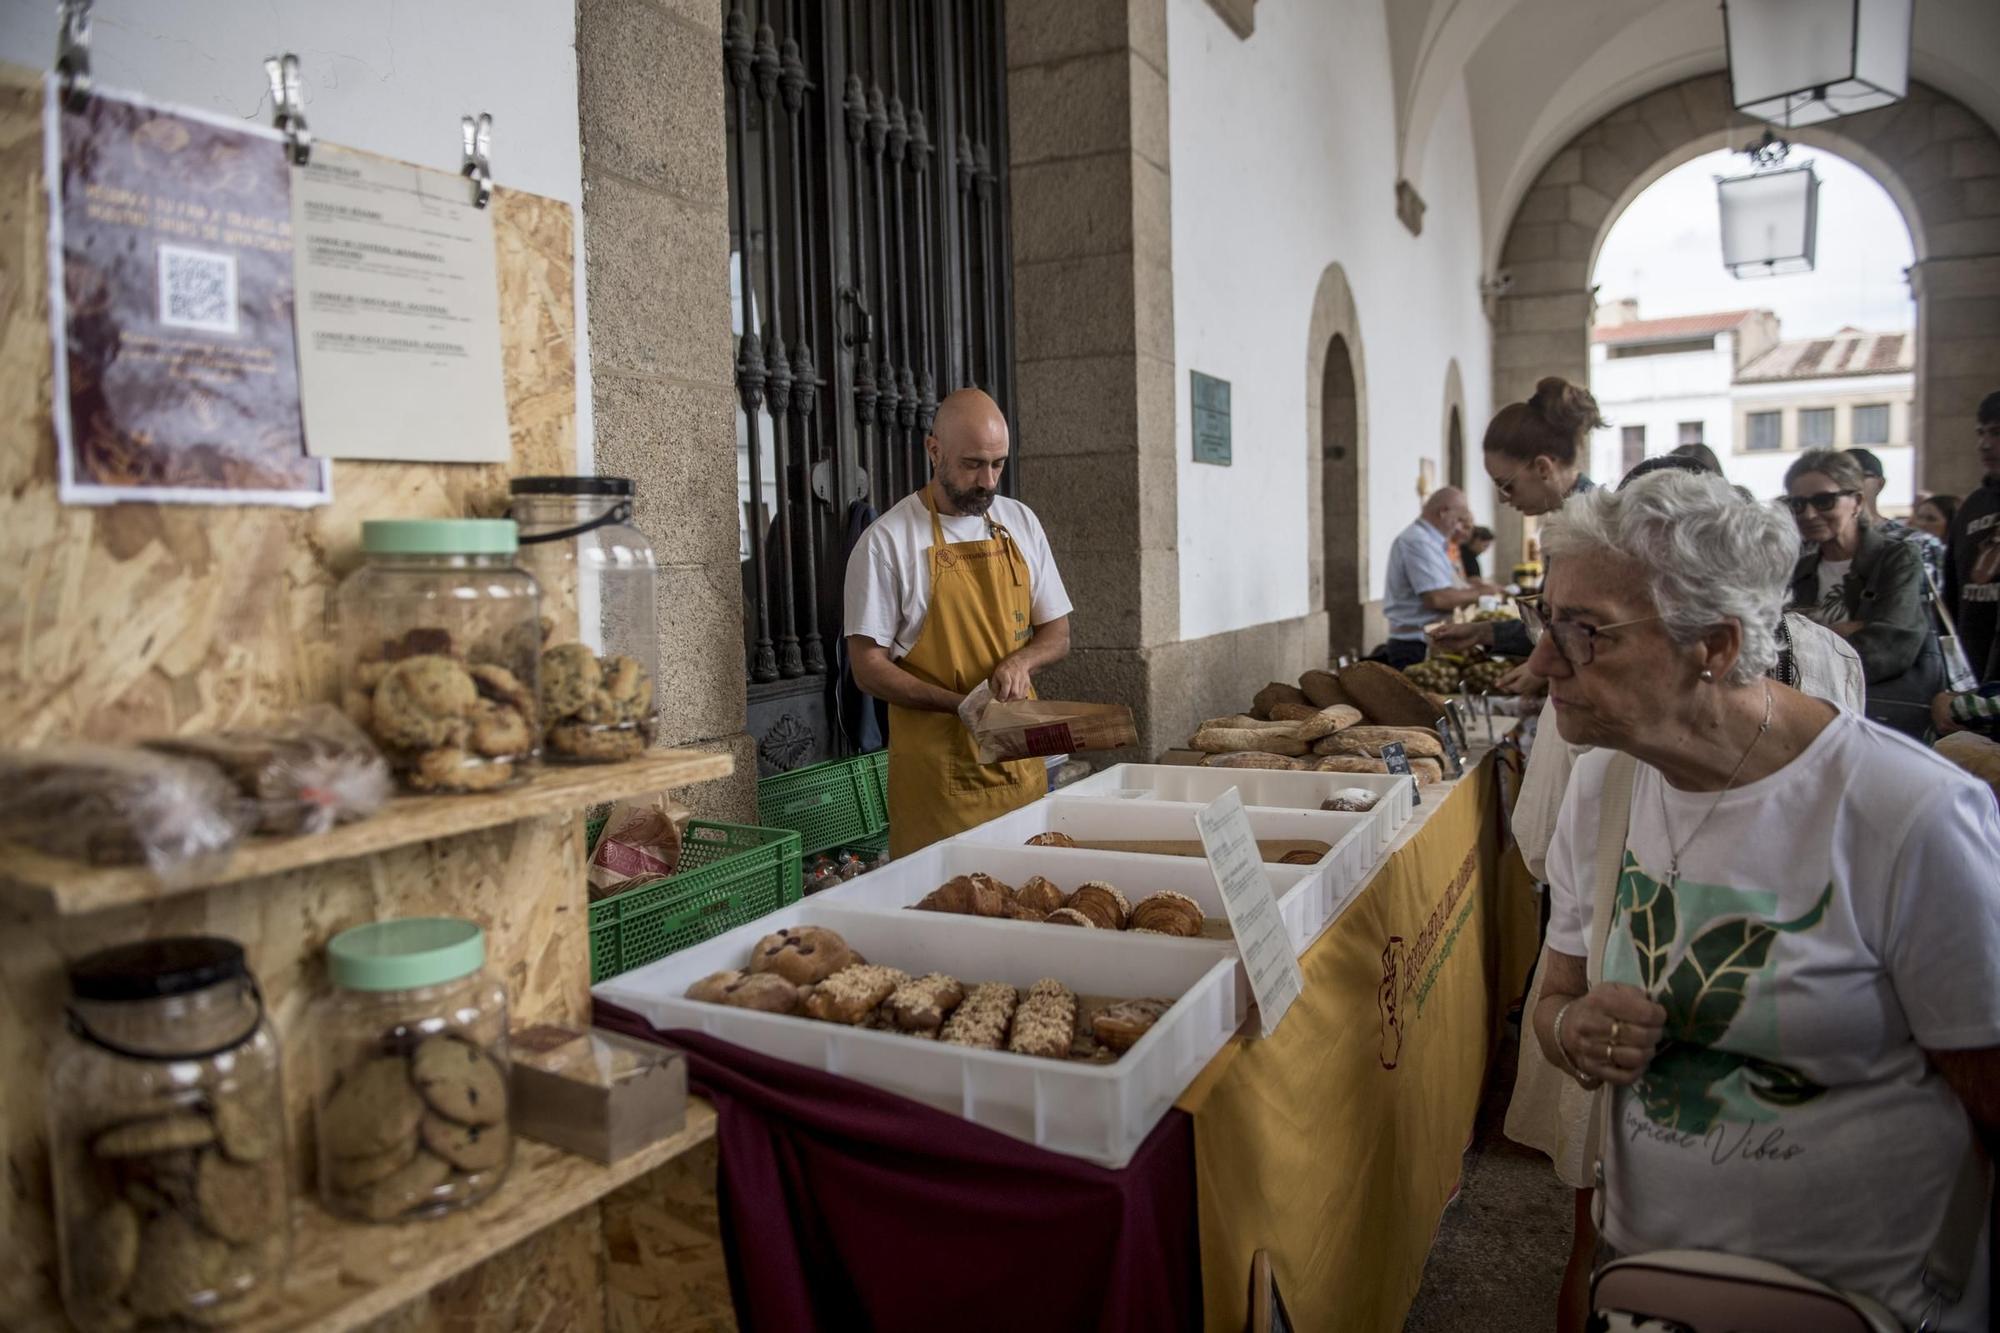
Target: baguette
[1277,692]
[1244,722]
[1425,771]
[1388,697]
[1227,740]
[1253,759]
[1327,721]
[1369,740]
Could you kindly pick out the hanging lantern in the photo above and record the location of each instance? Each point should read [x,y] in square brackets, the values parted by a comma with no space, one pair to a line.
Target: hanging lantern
[1799,62]
[1770,217]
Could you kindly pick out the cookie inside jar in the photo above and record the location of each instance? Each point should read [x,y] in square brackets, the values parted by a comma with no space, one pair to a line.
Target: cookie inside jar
[600,647]
[440,632]
[166,1122]
[410,1089]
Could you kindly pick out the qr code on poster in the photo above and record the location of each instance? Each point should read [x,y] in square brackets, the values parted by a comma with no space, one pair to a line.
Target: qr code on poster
[197,290]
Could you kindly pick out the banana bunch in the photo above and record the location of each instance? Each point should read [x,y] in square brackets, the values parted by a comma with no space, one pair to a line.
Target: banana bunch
[1438,675]
[1484,677]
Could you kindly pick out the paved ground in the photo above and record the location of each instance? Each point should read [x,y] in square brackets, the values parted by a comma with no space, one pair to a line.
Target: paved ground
[1499,1253]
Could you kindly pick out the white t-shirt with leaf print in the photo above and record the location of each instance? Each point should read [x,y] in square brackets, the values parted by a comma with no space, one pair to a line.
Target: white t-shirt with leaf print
[1831,921]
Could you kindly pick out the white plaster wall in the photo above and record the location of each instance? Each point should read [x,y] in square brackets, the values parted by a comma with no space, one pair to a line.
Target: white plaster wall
[1284,161]
[389,77]
[1764,471]
[1660,392]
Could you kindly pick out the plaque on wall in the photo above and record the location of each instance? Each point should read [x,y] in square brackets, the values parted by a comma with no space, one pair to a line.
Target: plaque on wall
[1209,398]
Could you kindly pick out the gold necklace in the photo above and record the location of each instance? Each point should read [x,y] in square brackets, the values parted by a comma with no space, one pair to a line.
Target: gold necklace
[1674,853]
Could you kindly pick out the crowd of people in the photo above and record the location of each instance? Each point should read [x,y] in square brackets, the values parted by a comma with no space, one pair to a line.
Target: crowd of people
[1766,1021]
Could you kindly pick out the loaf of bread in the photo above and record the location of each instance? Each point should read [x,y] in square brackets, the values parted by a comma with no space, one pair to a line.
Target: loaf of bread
[1277,692]
[1425,771]
[1322,689]
[1227,740]
[1253,759]
[1369,740]
[1334,717]
[1045,1023]
[1293,712]
[851,994]
[1387,696]
[1244,722]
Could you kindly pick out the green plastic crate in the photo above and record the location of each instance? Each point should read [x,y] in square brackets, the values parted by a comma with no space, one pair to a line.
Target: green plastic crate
[729,874]
[841,803]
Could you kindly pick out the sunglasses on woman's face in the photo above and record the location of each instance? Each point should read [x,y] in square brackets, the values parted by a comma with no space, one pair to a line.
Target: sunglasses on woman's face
[1822,502]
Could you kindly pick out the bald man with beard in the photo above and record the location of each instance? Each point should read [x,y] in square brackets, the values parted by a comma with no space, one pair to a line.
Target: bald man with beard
[1423,584]
[953,587]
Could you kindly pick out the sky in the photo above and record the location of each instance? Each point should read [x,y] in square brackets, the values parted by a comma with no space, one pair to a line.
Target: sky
[1666,249]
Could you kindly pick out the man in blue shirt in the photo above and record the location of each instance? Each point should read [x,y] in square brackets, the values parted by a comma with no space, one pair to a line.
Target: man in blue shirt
[1423,584]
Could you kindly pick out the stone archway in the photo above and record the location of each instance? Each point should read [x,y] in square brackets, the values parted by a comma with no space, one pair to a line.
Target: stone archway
[1337,462]
[1454,425]
[1937,160]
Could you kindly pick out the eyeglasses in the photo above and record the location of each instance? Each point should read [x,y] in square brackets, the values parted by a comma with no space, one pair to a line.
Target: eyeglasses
[1822,502]
[1575,641]
[1506,488]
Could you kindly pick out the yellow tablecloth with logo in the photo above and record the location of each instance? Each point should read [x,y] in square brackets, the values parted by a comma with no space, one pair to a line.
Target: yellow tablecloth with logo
[1336,1143]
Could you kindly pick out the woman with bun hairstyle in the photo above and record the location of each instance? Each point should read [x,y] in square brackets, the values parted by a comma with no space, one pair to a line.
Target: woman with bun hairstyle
[1534,452]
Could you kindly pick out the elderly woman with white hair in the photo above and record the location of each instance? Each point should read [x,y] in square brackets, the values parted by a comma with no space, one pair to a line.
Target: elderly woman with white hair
[1798,1016]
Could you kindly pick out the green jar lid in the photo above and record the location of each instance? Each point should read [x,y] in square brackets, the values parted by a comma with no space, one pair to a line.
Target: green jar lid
[406,953]
[440,536]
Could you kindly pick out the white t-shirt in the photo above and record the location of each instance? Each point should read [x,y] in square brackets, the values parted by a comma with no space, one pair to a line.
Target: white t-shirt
[1832,607]
[1831,920]
[888,589]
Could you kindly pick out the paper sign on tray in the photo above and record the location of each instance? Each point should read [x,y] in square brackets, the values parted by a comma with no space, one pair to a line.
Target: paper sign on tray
[1253,908]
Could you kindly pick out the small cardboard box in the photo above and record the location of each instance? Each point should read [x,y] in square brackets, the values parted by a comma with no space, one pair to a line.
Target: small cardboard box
[595,1093]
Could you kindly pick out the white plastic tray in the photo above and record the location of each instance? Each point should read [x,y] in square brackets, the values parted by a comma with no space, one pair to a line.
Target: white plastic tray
[1098,1112]
[1307,907]
[1270,788]
[897,886]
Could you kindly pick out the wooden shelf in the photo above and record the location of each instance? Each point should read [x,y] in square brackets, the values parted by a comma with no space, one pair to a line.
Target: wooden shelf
[51,884]
[345,1275]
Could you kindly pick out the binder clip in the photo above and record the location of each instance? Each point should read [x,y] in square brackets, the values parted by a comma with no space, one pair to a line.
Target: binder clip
[73,53]
[288,105]
[477,137]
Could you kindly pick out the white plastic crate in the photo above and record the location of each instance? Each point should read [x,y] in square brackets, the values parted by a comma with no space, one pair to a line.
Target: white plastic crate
[1261,787]
[897,886]
[1314,899]
[1098,1112]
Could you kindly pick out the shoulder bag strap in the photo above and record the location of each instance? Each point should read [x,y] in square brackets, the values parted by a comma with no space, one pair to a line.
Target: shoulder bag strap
[1614,823]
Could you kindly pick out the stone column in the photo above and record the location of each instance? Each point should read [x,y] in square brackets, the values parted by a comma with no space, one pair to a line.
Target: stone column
[1958,326]
[656,247]
[1094,337]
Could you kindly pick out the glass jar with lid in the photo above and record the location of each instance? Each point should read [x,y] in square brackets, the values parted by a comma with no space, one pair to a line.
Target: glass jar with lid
[440,631]
[600,654]
[167,1138]
[410,1077]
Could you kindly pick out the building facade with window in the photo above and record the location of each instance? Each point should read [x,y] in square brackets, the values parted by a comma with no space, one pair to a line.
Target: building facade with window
[1667,382]
[1852,390]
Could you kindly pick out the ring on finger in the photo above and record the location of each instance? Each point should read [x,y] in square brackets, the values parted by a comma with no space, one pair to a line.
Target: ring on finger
[1607,1054]
[1617,1026]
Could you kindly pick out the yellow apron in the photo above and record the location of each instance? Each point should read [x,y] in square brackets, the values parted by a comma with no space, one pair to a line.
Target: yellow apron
[978,615]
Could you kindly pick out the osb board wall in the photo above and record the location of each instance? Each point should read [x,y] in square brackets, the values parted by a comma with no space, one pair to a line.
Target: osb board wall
[138,619]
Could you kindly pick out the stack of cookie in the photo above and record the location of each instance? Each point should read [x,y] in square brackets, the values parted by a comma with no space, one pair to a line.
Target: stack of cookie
[597,709]
[1094,905]
[416,1130]
[446,724]
[190,1217]
[809,971]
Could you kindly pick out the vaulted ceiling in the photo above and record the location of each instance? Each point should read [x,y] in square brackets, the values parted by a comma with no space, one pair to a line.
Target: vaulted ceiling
[1538,71]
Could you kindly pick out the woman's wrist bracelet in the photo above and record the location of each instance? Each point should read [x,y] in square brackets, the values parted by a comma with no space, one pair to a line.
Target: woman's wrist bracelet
[1569,1066]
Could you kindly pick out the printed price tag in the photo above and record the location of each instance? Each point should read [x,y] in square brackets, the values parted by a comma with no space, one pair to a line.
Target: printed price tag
[1453,757]
[1397,759]
[1231,845]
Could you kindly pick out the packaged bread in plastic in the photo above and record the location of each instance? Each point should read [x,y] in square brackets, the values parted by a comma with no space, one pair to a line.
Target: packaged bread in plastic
[118,805]
[304,775]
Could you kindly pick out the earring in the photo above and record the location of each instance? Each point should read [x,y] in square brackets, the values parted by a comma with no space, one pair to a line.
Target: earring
[1708,675]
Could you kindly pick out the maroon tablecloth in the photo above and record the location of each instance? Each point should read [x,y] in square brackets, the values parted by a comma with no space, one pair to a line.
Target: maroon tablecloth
[845,1207]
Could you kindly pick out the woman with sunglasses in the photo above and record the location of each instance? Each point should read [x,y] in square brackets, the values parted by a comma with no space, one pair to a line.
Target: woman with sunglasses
[1865,587]
[1797,1020]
